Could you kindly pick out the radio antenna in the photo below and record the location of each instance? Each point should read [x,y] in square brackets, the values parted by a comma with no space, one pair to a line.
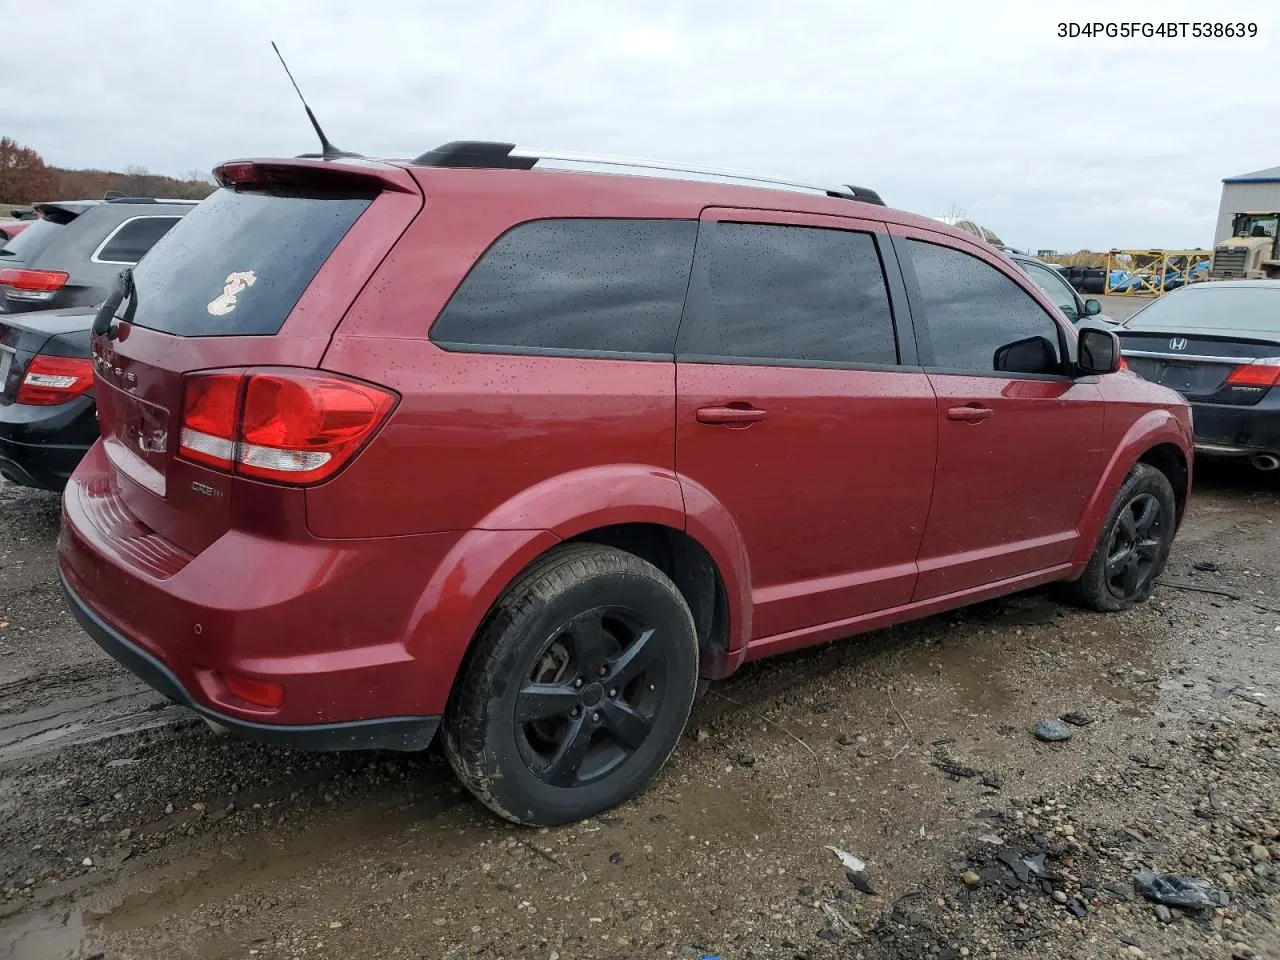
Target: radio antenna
[327,150]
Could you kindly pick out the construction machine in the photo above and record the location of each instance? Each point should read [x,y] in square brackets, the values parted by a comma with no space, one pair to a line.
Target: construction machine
[1251,252]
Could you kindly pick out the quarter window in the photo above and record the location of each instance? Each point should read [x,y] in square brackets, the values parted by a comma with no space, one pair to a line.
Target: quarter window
[578,285]
[133,238]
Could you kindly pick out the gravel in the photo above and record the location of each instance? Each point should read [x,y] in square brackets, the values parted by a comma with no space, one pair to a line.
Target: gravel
[921,762]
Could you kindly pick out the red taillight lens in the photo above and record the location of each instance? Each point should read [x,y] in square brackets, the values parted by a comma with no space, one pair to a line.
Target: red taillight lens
[32,284]
[295,428]
[302,429]
[209,414]
[261,693]
[233,173]
[53,380]
[1260,373]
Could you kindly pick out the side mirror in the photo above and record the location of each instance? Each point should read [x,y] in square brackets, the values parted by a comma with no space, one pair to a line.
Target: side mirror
[1099,352]
[1092,307]
[1032,355]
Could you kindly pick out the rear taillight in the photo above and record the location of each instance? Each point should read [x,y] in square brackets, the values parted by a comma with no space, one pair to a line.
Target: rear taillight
[53,380]
[284,426]
[209,415]
[1260,373]
[32,284]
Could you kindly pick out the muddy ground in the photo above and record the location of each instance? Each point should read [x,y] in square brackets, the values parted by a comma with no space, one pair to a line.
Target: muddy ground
[130,830]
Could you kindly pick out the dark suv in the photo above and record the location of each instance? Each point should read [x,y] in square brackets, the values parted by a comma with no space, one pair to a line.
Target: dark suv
[520,454]
[70,257]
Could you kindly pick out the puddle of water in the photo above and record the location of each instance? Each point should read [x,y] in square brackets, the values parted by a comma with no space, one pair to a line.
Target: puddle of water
[46,937]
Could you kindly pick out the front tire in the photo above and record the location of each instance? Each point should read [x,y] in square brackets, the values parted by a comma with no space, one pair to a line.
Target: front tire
[1134,546]
[578,688]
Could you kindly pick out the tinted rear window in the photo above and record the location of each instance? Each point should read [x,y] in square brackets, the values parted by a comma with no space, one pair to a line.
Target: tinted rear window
[581,285]
[1213,306]
[31,242]
[238,262]
[132,239]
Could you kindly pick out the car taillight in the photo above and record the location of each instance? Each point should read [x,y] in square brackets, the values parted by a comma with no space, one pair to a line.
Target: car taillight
[53,380]
[32,284]
[1260,373]
[296,428]
[210,410]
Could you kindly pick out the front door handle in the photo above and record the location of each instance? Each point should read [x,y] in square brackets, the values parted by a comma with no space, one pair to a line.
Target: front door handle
[730,415]
[973,413]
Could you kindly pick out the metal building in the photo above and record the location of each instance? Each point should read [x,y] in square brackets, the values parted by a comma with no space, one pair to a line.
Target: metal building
[1257,191]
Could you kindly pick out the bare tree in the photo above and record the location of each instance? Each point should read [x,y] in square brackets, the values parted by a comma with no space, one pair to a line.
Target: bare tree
[137,182]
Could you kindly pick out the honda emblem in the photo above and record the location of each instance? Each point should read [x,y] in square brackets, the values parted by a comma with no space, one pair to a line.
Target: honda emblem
[1178,343]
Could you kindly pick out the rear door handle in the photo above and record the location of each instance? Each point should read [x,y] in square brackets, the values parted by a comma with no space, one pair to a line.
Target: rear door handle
[969,414]
[730,415]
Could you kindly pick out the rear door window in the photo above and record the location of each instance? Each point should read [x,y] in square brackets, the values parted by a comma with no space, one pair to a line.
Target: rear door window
[593,286]
[239,261]
[793,293]
[130,241]
[971,309]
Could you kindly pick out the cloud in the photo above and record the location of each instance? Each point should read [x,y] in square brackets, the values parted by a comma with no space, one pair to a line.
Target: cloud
[1051,142]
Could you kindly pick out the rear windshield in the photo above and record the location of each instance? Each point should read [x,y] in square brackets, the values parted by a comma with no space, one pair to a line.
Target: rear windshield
[31,242]
[238,262]
[1213,306]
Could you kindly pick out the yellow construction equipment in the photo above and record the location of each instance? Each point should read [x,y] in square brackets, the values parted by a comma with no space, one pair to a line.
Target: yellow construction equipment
[1146,273]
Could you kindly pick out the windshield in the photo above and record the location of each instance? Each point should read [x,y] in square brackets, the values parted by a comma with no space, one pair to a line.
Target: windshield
[238,262]
[1249,226]
[1211,306]
[30,242]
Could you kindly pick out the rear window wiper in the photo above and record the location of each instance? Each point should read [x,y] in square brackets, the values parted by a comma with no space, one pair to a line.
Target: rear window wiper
[102,323]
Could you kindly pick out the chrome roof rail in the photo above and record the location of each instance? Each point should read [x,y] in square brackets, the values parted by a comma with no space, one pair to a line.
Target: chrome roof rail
[487,154]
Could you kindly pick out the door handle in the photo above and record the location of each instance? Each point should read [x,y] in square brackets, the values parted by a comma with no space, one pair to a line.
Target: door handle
[973,413]
[743,415]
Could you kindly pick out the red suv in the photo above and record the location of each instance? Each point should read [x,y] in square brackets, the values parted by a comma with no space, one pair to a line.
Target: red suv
[521,453]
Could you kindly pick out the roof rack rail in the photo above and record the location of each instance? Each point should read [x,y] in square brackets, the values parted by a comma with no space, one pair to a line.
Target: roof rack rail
[145,200]
[508,156]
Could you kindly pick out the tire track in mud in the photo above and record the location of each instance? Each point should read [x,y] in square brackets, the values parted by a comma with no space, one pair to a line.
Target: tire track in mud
[81,704]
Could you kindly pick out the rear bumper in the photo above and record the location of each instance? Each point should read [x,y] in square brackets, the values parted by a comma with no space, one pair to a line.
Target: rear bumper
[388,733]
[41,446]
[1223,430]
[337,624]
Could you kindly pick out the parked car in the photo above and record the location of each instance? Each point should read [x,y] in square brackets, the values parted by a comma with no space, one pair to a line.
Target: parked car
[11,228]
[71,255]
[523,462]
[1056,288]
[1218,344]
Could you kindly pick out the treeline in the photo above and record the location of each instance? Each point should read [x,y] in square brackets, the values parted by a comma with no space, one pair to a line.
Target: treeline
[25,178]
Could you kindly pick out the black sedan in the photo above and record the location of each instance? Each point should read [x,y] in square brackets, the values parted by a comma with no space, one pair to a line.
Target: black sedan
[47,415]
[1218,344]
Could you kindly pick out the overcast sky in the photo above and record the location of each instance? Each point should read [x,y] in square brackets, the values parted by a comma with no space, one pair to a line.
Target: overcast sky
[979,107]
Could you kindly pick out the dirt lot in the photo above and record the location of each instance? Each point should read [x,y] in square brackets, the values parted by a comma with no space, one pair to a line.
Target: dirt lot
[127,829]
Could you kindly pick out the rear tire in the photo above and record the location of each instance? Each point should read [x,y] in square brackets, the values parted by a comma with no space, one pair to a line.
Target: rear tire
[577,690]
[1133,547]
